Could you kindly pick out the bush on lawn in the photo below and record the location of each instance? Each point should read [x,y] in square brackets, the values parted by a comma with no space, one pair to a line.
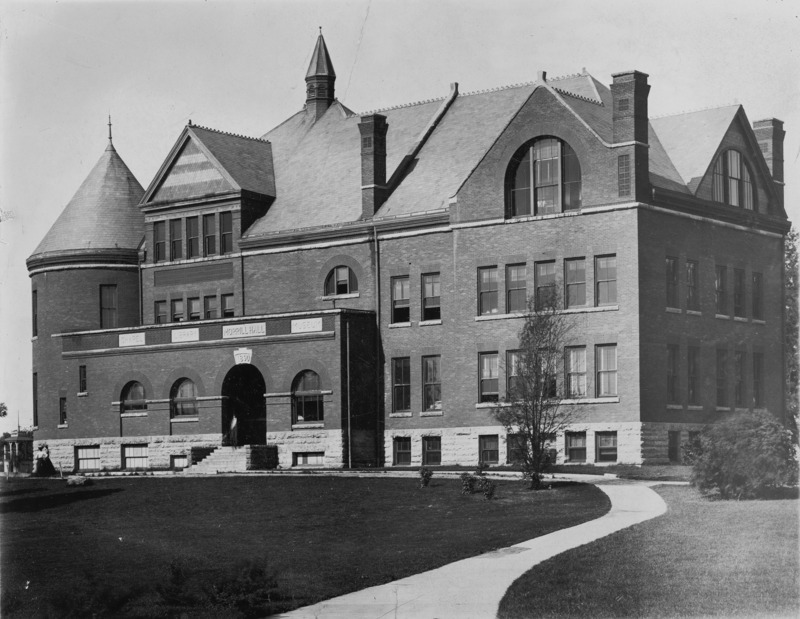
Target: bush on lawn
[745,456]
[425,475]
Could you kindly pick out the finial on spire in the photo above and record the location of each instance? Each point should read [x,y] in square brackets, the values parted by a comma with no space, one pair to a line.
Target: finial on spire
[320,30]
[110,141]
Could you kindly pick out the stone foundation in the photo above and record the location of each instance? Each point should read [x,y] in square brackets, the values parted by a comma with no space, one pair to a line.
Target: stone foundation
[329,442]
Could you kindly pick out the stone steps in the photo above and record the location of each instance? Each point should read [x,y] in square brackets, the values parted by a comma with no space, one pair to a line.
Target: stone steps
[222,460]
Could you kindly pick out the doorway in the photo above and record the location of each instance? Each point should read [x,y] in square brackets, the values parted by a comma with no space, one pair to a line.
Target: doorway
[244,411]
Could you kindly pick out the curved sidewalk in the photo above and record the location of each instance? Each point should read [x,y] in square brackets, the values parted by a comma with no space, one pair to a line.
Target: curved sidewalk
[473,588]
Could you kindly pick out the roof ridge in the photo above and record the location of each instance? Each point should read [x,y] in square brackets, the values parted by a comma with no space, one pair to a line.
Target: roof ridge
[699,109]
[577,96]
[235,135]
[402,105]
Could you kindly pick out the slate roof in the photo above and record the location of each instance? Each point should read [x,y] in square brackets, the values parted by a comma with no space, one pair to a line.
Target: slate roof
[320,65]
[103,213]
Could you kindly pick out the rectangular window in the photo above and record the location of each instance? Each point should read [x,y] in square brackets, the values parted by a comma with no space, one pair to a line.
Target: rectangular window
[720,290]
[175,239]
[722,377]
[159,241]
[210,308]
[516,288]
[402,450]
[88,458]
[739,361]
[35,313]
[401,293]
[108,306]
[624,175]
[576,446]
[431,383]
[401,384]
[487,291]
[308,458]
[513,384]
[35,399]
[431,297]
[431,450]
[692,298]
[209,235]
[488,449]
[192,237]
[672,373]
[575,362]
[194,308]
[160,312]
[490,372]
[606,363]
[62,411]
[738,293]
[177,310]
[734,173]
[672,282]
[605,273]
[758,296]
[82,379]
[758,379]
[674,446]
[606,446]
[545,284]
[575,278]
[228,310]
[515,448]
[693,374]
[135,457]
[225,233]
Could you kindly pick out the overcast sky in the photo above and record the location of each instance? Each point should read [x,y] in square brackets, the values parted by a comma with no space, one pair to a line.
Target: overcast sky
[239,67]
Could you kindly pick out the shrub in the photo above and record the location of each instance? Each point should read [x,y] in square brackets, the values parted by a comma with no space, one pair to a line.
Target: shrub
[691,450]
[467,483]
[745,456]
[425,475]
[487,486]
[480,470]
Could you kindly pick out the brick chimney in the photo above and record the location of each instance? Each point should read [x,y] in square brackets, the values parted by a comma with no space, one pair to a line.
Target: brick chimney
[629,92]
[770,133]
[373,163]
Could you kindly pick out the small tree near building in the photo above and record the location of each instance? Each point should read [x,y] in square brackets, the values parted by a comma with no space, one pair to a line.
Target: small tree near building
[533,414]
[792,332]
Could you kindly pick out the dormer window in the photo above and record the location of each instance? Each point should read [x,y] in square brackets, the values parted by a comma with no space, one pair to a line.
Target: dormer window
[732,181]
[544,177]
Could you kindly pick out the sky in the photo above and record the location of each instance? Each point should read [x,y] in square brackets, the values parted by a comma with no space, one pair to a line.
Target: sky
[239,66]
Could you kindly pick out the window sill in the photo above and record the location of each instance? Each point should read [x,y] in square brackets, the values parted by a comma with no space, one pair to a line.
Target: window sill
[483,317]
[400,414]
[428,323]
[82,394]
[603,400]
[308,426]
[674,407]
[34,428]
[722,316]
[694,312]
[694,407]
[184,419]
[141,414]
[399,325]
[758,321]
[438,413]
[722,409]
[674,310]
[61,426]
[336,297]
[571,310]
[740,319]
[492,404]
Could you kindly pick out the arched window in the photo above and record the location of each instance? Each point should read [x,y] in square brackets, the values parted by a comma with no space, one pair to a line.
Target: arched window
[306,398]
[133,398]
[341,280]
[544,177]
[732,181]
[183,398]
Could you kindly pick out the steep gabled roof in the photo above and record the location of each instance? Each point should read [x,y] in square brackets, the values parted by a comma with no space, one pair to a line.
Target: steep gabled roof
[102,214]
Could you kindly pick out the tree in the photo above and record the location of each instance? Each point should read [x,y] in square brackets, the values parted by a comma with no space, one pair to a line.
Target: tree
[3,409]
[533,413]
[792,332]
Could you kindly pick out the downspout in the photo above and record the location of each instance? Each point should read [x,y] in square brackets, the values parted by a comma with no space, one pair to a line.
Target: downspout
[349,415]
[241,265]
[378,372]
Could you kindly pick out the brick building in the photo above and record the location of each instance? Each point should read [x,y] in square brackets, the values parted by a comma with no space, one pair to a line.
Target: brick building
[348,288]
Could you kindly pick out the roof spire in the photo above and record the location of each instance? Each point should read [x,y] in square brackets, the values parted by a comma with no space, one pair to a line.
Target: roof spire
[320,79]
[110,141]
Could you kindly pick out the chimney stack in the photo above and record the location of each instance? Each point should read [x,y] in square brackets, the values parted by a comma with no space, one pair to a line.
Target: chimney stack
[629,93]
[770,134]
[373,163]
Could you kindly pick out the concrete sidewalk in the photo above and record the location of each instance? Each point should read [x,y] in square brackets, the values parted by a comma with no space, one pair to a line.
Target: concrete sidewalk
[473,588]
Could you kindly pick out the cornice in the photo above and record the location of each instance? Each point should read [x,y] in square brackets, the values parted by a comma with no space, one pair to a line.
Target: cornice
[82,258]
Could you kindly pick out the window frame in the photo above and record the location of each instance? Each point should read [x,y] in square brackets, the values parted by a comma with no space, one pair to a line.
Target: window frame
[624,175]
[516,443]
[210,234]
[757,296]
[609,452]
[693,379]
[607,281]
[722,378]
[175,239]
[572,375]
[512,372]
[692,283]
[601,372]
[141,461]
[210,306]
[545,283]
[488,385]
[572,283]
[489,449]
[401,299]
[488,291]
[62,411]
[758,380]
[431,457]
[671,283]
[734,187]
[739,378]
[225,233]
[177,310]
[307,398]
[739,306]
[341,280]
[513,303]
[672,374]
[192,237]
[227,311]
[721,289]
[82,384]
[401,384]
[182,406]
[397,442]
[431,308]
[160,312]
[35,313]
[431,384]
[193,308]
[128,404]
[109,313]
[81,453]
[571,448]
[160,241]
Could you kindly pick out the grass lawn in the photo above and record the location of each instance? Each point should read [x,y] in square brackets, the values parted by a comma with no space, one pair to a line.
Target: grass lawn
[249,545]
[702,558]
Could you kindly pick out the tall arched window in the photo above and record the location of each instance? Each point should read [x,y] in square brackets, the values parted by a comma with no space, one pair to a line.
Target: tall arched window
[133,398]
[732,181]
[183,398]
[543,177]
[306,397]
[341,280]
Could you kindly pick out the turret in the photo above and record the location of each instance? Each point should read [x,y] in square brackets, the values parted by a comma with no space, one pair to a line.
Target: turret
[320,80]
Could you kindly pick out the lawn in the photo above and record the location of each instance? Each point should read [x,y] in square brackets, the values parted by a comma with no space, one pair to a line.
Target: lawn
[702,558]
[249,545]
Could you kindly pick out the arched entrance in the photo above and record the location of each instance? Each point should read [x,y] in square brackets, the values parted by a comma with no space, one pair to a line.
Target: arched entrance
[244,412]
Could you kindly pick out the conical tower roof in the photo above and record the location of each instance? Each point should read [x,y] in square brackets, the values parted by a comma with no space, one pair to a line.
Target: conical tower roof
[102,218]
[320,65]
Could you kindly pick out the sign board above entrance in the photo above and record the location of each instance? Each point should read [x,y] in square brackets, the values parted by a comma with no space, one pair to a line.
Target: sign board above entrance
[251,329]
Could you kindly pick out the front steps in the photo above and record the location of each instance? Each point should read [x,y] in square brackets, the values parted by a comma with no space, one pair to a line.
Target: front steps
[222,460]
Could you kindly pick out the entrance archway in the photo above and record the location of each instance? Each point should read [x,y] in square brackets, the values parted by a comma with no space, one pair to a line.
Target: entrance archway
[244,411]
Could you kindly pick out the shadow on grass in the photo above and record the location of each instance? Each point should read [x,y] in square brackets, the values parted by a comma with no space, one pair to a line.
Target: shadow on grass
[51,501]
[4,493]
[784,493]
